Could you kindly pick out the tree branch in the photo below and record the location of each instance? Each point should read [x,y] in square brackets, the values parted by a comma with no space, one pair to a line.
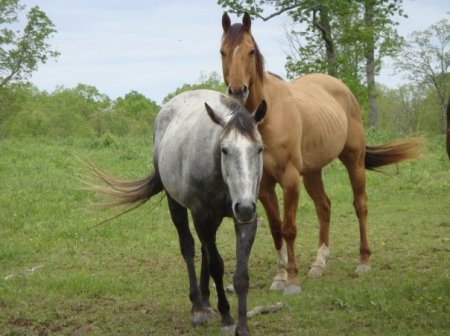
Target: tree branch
[281,11]
[266,18]
[14,71]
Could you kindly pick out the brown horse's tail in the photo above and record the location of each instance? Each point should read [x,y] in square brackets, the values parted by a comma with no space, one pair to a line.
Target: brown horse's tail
[117,191]
[392,152]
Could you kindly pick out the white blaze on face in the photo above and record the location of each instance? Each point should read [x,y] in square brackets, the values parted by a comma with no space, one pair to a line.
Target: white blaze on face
[236,50]
[241,167]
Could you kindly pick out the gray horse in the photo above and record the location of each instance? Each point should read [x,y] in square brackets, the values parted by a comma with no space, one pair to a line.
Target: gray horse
[207,158]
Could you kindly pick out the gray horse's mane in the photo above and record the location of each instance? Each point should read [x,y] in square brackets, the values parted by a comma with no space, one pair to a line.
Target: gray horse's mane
[241,120]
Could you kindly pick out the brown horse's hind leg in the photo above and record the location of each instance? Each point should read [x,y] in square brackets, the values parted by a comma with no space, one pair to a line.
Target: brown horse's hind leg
[314,186]
[354,162]
[269,200]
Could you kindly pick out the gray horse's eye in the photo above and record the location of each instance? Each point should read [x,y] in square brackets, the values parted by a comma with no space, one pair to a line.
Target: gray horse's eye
[224,151]
[260,149]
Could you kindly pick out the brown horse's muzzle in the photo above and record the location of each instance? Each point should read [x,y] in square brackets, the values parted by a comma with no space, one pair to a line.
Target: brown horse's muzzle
[240,93]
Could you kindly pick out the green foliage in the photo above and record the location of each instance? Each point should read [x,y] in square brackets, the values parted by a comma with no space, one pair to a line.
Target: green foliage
[138,110]
[22,52]
[60,274]
[81,111]
[333,36]
[409,109]
[426,61]
[212,81]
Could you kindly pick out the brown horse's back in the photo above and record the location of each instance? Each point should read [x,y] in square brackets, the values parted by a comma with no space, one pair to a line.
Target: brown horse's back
[330,114]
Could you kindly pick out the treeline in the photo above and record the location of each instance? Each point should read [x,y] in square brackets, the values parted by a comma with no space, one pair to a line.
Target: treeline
[84,111]
[409,109]
[81,111]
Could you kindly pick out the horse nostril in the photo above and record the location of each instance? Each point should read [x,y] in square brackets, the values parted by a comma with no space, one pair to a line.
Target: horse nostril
[230,91]
[244,89]
[236,208]
[245,211]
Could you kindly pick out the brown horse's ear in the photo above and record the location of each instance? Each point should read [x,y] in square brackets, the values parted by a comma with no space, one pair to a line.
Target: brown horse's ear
[226,22]
[214,116]
[260,112]
[247,22]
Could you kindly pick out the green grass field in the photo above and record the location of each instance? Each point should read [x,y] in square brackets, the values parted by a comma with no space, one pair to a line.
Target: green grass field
[60,274]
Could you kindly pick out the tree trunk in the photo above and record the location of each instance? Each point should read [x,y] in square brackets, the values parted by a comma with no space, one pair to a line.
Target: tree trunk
[370,63]
[323,24]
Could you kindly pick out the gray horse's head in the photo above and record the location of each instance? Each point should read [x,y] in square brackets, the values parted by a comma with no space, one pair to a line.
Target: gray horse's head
[241,156]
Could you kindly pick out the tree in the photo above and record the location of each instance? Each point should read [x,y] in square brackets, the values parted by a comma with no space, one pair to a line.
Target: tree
[139,111]
[425,60]
[22,51]
[340,35]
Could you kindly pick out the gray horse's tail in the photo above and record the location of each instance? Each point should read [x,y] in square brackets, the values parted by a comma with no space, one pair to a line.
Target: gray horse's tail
[117,191]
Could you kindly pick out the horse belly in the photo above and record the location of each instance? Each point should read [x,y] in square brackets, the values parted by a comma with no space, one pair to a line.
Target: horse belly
[323,137]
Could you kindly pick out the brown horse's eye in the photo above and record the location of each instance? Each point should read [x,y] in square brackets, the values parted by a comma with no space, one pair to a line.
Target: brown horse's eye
[252,52]
[222,53]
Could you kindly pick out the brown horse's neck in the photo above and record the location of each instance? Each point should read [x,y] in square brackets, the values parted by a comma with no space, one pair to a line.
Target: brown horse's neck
[256,94]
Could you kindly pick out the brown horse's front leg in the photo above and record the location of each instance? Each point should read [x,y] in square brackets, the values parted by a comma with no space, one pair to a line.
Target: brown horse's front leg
[290,184]
[269,200]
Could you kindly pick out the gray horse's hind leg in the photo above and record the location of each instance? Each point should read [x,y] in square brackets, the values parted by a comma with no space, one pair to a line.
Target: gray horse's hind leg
[206,227]
[200,313]
[204,278]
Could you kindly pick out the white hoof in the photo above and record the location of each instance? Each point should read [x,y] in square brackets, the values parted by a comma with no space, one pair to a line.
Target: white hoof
[230,289]
[228,330]
[277,285]
[362,268]
[291,289]
[316,271]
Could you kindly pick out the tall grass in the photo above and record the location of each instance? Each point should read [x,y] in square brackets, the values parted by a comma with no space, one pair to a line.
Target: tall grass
[60,274]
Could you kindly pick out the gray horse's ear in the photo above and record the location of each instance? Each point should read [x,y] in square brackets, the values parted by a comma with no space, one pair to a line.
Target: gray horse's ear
[226,22]
[247,22]
[214,116]
[260,113]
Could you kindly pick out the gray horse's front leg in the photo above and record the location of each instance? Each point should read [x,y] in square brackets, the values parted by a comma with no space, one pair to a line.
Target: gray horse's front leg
[245,236]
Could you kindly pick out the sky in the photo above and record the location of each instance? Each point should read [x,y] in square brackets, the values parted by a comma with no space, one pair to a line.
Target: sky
[154,46]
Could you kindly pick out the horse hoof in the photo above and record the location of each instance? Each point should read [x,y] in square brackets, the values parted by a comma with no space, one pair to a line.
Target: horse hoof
[316,271]
[291,289]
[362,268]
[230,289]
[277,285]
[201,317]
[228,330]
[241,331]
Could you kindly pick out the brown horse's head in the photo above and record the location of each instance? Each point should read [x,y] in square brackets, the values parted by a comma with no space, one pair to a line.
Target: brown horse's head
[242,63]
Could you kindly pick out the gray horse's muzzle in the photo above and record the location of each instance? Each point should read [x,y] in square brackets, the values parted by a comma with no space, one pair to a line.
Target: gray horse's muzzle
[244,211]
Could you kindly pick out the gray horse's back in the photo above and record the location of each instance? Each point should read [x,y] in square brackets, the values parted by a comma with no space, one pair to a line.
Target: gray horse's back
[187,154]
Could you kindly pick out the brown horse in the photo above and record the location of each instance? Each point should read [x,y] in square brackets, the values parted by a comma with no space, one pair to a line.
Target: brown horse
[310,121]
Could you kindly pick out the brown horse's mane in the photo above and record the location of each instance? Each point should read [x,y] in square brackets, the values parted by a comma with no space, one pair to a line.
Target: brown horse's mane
[241,120]
[276,76]
[234,36]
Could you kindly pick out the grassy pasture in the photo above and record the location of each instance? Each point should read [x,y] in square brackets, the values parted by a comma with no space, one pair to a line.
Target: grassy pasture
[62,275]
